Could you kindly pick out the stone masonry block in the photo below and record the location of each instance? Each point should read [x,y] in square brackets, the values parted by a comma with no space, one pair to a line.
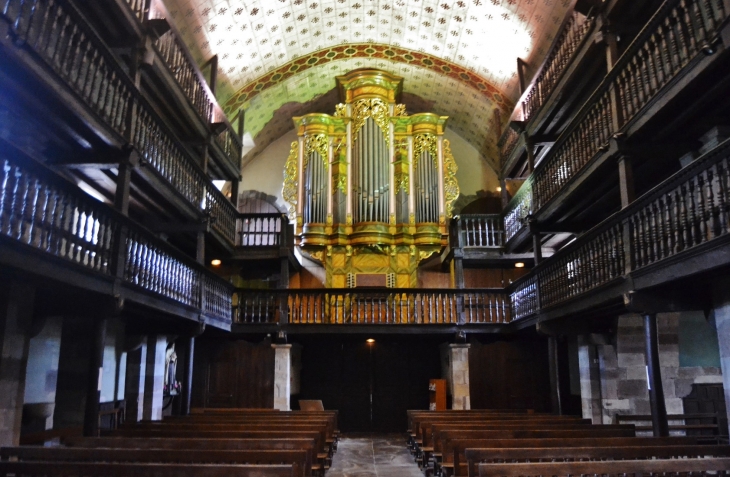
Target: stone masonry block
[616,404]
[635,388]
[631,359]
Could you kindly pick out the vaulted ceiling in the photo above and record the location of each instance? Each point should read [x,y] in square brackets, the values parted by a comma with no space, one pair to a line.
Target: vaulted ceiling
[458,58]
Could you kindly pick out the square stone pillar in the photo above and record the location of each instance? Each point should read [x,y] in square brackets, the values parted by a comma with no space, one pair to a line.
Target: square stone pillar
[154,380]
[16,316]
[282,376]
[590,381]
[459,370]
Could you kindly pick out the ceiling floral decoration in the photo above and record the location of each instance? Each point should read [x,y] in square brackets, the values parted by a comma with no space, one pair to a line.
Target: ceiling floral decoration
[273,44]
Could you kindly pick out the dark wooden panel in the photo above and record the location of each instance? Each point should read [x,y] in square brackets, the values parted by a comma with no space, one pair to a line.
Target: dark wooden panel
[510,375]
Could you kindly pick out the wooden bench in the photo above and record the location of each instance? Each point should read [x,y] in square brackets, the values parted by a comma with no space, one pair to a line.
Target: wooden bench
[207,445]
[711,428]
[453,451]
[551,454]
[108,469]
[697,466]
[460,446]
[296,458]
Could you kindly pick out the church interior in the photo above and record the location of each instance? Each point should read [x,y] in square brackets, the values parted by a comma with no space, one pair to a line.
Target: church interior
[219,212]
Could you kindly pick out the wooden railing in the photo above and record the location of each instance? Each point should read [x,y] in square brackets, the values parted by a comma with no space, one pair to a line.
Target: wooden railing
[182,65]
[48,214]
[262,230]
[518,209]
[372,306]
[572,35]
[138,8]
[478,231]
[676,33]
[54,31]
[686,211]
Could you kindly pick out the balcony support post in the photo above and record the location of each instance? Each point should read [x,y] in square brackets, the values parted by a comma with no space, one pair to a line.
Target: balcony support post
[536,241]
[612,55]
[504,194]
[626,180]
[654,378]
[530,149]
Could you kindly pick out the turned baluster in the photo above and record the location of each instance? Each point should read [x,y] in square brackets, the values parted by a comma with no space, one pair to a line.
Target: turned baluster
[710,207]
[701,210]
[687,216]
[722,195]
[639,238]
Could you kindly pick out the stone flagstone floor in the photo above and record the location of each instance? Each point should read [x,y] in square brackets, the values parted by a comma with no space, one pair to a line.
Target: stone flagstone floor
[377,455]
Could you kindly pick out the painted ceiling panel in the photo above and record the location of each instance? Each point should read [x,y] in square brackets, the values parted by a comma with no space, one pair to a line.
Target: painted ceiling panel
[253,37]
[459,56]
[472,114]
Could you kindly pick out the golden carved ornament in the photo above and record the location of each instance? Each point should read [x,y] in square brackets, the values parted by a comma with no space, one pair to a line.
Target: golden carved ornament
[348,219]
[318,255]
[340,110]
[402,181]
[341,183]
[425,142]
[290,190]
[316,143]
[451,187]
[400,110]
[392,219]
[330,219]
[374,108]
[424,254]
[412,218]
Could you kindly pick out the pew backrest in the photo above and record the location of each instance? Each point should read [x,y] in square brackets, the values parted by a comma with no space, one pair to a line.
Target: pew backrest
[541,454]
[107,469]
[698,467]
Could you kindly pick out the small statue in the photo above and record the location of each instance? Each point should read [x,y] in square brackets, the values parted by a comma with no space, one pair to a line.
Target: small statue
[170,370]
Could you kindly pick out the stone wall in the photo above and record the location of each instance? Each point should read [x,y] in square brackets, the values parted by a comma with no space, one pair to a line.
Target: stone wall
[614,376]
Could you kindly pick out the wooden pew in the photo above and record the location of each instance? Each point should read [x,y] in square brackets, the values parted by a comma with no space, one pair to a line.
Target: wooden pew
[698,467]
[296,458]
[324,453]
[197,444]
[450,438]
[460,446]
[108,469]
[550,454]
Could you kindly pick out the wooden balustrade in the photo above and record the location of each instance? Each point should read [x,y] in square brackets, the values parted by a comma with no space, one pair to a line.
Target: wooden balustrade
[261,230]
[182,65]
[50,215]
[517,211]
[222,212]
[479,231]
[572,35]
[591,261]
[676,33]
[138,7]
[524,298]
[378,307]
[228,140]
[55,32]
[690,209]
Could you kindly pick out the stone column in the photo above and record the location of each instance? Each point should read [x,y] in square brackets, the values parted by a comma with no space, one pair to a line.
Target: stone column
[73,372]
[154,381]
[590,381]
[721,302]
[459,370]
[16,316]
[282,376]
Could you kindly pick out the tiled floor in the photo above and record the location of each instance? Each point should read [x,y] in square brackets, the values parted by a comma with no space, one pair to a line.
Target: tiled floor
[381,455]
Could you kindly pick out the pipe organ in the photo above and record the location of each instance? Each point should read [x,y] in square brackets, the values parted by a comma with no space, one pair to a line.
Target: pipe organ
[370,187]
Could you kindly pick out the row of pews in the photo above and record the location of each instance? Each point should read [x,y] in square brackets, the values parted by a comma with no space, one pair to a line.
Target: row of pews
[208,443]
[501,443]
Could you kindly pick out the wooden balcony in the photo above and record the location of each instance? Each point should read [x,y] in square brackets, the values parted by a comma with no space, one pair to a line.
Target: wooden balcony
[365,310]
[669,63]
[51,229]
[171,77]
[668,244]
[54,43]
[480,240]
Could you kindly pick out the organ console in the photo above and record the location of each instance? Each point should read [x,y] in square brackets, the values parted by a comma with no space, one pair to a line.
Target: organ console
[370,187]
